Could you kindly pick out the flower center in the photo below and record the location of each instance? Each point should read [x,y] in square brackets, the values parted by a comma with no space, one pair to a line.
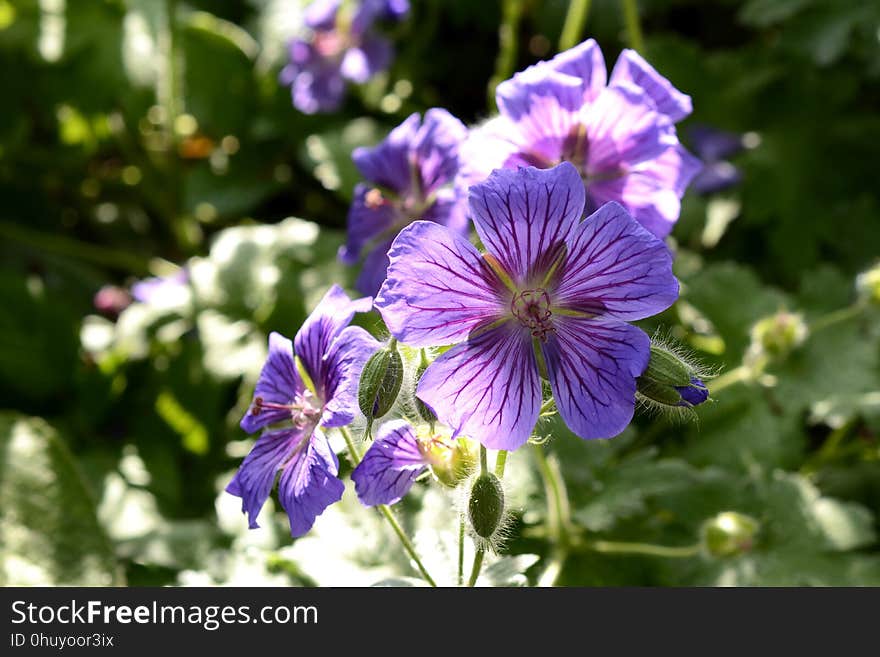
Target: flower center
[304,410]
[532,309]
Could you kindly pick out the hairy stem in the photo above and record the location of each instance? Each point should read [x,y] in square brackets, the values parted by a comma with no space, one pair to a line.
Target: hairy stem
[385,510]
[620,547]
[558,514]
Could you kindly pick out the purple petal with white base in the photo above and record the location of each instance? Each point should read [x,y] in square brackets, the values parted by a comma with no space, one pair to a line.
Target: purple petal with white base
[487,387]
[522,216]
[593,364]
[309,484]
[617,268]
[279,383]
[390,466]
[255,477]
[438,288]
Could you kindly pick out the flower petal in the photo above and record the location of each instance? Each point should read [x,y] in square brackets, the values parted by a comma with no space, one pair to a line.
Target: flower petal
[545,108]
[279,383]
[435,149]
[487,388]
[255,477]
[522,215]
[345,360]
[321,14]
[623,129]
[631,68]
[438,287]
[615,267]
[314,338]
[387,164]
[368,220]
[593,364]
[309,484]
[584,61]
[390,465]
[651,191]
[361,63]
[374,270]
[487,147]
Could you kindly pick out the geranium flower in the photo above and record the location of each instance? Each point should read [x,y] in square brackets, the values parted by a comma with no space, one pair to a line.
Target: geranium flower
[332,355]
[621,136]
[410,176]
[550,293]
[339,48]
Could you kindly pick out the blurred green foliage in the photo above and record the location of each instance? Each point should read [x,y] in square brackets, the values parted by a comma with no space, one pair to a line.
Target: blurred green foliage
[139,134]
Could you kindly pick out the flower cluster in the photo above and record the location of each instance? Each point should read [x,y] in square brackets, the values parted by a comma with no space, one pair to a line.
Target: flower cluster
[620,135]
[570,190]
[340,47]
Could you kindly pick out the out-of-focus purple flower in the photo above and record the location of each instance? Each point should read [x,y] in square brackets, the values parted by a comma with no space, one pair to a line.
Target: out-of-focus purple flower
[551,292]
[620,135]
[332,355]
[339,48]
[694,394]
[714,147]
[160,288]
[111,300]
[410,176]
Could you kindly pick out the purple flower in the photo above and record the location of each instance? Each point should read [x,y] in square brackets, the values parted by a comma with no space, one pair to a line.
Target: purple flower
[411,175]
[714,147]
[621,136]
[391,465]
[332,354]
[340,48]
[694,394]
[551,293]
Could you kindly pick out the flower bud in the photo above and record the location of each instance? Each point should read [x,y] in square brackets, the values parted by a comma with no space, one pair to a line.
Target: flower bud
[868,285]
[380,383]
[424,411]
[486,505]
[451,460]
[670,380]
[729,533]
[777,335]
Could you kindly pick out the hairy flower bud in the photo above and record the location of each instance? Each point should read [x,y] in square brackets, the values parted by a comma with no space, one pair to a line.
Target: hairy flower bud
[729,533]
[380,383]
[451,460]
[777,335]
[670,380]
[486,505]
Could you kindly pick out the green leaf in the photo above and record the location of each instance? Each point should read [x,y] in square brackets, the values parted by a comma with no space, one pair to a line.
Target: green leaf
[49,533]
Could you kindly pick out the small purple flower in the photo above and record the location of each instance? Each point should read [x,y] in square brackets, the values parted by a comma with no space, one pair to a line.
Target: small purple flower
[340,48]
[714,147]
[391,465]
[161,287]
[694,394]
[551,292]
[111,300]
[411,175]
[332,354]
[621,136]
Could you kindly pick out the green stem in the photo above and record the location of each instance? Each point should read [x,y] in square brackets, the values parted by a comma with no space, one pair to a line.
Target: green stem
[836,317]
[573,27]
[507,45]
[633,27]
[500,462]
[619,547]
[830,447]
[461,550]
[386,512]
[736,375]
[475,568]
[558,515]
